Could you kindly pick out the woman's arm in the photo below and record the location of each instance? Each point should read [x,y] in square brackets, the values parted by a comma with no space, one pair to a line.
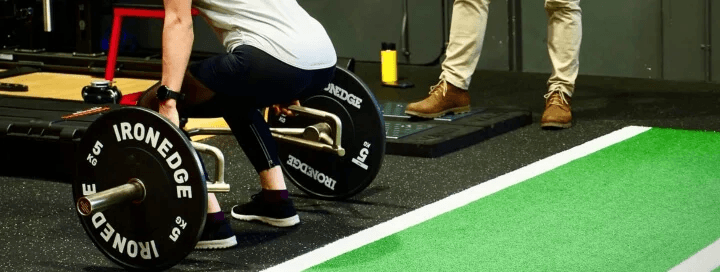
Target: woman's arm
[177,40]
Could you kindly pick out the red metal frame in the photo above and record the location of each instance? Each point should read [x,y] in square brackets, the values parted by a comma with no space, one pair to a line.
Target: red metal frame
[118,14]
[130,99]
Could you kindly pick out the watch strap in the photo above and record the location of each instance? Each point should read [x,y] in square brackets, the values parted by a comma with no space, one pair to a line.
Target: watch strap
[165,93]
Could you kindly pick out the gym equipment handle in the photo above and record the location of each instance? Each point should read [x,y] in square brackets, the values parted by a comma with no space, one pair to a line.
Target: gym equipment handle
[134,191]
[219,186]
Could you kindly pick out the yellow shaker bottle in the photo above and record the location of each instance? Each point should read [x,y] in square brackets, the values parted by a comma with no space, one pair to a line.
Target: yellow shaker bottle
[388,63]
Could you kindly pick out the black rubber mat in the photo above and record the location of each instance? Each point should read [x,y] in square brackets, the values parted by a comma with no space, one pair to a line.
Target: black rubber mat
[431,138]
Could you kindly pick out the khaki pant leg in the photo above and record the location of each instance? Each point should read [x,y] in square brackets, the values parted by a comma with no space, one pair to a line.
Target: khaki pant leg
[564,30]
[467,31]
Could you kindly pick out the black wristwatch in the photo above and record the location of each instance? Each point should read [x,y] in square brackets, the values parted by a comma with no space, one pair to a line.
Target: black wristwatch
[164,93]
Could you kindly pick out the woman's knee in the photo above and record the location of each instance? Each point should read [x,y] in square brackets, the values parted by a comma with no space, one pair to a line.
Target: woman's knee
[149,98]
[195,91]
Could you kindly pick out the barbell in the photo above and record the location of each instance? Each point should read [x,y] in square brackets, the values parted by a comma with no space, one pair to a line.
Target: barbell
[140,188]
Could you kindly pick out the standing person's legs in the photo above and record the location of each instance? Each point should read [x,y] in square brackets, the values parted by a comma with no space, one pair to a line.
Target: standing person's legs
[564,30]
[467,32]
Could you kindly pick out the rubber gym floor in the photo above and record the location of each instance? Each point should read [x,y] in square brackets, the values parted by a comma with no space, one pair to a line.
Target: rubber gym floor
[39,230]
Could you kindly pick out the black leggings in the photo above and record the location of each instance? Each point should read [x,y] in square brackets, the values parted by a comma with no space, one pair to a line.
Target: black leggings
[244,82]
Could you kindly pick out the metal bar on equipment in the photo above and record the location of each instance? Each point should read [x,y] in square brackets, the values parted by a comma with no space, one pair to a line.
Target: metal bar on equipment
[708,41]
[335,124]
[209,131]
[118,14]
[47,16]
[315,145]
[134,191]
[289,134]
[405,32]
[289,131]
[219,185]
[445,25]
[515,35]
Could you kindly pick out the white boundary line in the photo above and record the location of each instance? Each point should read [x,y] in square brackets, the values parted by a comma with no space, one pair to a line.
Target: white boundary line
[452,202]
[706,259]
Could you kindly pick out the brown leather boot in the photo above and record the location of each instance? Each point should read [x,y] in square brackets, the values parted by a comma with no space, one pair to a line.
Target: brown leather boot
[443,98]
[558,113]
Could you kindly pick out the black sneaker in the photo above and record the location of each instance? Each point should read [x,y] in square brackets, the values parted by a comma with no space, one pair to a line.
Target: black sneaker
[279,214]
[216,235]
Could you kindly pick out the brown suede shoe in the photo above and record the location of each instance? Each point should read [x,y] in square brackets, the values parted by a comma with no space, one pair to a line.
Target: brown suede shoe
[558,113]
[443,98]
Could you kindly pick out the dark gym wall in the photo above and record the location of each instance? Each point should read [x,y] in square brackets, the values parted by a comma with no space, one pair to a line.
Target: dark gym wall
[495,51]
[643,39]
[379,21]
[357,28]
[623,42]
[683,37]
[148,33]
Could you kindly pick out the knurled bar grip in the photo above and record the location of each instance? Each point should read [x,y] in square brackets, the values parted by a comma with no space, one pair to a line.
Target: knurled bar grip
[134,191]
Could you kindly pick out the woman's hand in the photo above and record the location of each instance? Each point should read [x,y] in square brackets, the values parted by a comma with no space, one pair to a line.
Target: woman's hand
[283,108]
[168,108]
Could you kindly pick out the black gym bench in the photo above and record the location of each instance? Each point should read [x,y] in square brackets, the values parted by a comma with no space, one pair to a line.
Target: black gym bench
[35,140]
[36,133]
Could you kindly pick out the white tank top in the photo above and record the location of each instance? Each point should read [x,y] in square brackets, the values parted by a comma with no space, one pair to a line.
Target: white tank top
[281,28]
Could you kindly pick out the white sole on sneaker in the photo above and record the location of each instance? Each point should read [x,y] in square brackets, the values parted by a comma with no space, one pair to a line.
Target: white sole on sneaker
[217,244]
[278,222]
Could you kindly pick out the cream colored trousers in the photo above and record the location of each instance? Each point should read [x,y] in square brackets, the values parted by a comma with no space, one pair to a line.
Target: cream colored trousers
[467,31]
